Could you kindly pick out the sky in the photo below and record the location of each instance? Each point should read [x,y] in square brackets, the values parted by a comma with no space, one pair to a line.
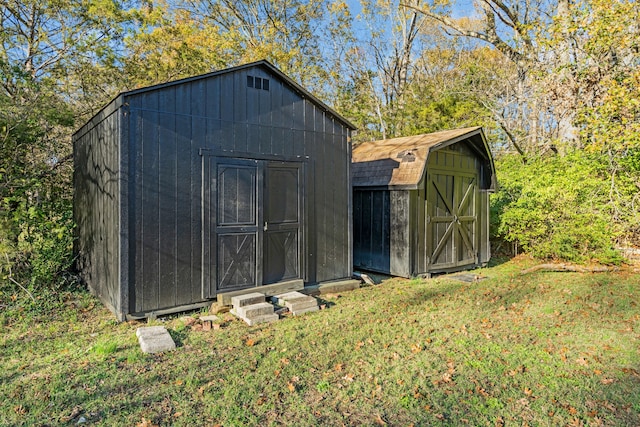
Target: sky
[461,8]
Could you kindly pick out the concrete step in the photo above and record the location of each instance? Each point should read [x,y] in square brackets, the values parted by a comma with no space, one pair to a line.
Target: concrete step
[224,298]
[254,310]
[337,286]
[296,302]
[247,299]
[253,314]
[297,305]
[266,318]
[299,311]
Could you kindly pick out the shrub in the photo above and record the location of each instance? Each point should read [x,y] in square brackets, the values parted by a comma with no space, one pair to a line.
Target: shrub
[556,207]
[36,225]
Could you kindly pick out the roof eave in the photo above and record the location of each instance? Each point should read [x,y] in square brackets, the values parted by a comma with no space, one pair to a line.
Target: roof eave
[105,111]
[305,93]
[262,63]
[451,141]
[475,132]
[397,187]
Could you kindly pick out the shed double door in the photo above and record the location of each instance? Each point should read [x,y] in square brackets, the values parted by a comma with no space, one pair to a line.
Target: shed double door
[452,239]
[253,224]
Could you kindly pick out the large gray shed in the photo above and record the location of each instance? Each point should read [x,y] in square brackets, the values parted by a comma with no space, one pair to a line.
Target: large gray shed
[197,189]
[421,203]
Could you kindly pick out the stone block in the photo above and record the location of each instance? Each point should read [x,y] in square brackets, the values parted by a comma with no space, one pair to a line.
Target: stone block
[224,299]
[254,310]
[304,310]
[208,322]
[155,339]
[296,301]
[338,286]
[280,299]
[299,304]
[216,308]
[266,318]
[247,299]
[150,330]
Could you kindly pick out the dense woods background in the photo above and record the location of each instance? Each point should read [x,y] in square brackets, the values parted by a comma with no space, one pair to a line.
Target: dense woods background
[556,84]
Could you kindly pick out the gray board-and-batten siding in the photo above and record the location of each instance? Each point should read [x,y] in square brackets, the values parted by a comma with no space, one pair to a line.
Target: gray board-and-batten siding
[140,166]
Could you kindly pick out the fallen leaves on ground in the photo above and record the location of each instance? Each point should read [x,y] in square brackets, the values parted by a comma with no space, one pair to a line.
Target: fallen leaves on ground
[379,421]
[146,423]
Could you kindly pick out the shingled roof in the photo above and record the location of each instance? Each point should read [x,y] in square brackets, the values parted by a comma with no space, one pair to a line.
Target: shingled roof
[401,162]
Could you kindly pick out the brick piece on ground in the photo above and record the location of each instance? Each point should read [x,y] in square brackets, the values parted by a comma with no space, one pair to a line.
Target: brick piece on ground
[155,339]
[208,321]
[188,320]
[247,299]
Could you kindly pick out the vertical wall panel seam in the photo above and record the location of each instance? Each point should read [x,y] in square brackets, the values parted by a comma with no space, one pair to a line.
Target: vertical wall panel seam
[140,299]
[156,303]
[175,211]
[350,242]
[123,183]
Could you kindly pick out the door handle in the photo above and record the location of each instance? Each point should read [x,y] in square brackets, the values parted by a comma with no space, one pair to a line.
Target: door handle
[265,226]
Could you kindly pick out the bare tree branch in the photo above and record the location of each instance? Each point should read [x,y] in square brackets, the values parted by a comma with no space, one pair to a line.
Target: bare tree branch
[491,37]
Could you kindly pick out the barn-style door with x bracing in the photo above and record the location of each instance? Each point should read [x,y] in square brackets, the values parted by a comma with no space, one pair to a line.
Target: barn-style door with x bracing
[452,219]
[252,223]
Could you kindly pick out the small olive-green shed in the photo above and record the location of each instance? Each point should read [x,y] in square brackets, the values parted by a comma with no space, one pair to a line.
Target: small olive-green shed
[421,203]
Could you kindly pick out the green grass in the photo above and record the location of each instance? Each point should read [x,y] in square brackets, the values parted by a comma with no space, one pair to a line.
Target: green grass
[541,349]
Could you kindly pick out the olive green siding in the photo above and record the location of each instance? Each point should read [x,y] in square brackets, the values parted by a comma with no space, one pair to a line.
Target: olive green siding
[438,224]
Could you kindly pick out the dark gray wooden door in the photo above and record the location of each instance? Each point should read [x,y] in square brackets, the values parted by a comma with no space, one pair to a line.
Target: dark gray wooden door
[452,219]
[372,230]
[282,222]
[235,195]
[252,224]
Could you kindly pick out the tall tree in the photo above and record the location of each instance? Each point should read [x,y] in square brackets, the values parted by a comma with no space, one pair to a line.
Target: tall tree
[384,60]
[41,43]
[549,46]
[450,88]
[512,28]
[406,76]
[187,37]
[171,42]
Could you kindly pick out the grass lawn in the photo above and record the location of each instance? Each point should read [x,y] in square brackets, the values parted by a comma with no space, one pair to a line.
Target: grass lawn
[536,349]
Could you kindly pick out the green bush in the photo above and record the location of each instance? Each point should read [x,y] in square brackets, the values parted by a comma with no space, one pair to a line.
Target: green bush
[36,247]
[556,207]
[36,224]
